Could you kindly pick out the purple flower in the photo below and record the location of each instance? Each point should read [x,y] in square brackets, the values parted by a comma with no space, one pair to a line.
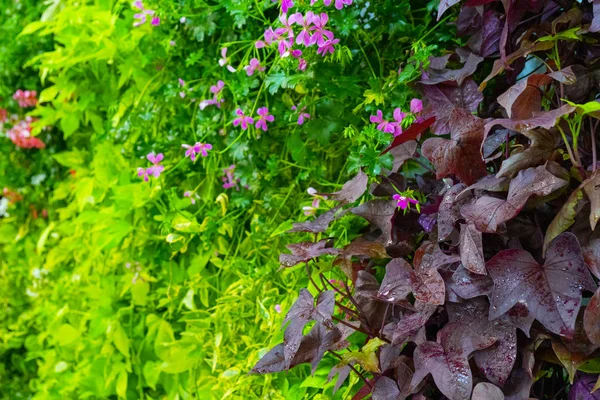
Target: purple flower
[302,64]
[181,82]
[224,61]
[172,43]
[327,47]
[193,196]
[261,122]
[242,119]
[141,17]
[142,173]
[296,53]
[197,148]
[229,180]
[216,89]
[301,114]
[155,170]
[383,125]
[278,308]
[305,22]
[398,116]
[416,106]
[285,5]
[403,202]
[155,159]
[253,66]
[321,35]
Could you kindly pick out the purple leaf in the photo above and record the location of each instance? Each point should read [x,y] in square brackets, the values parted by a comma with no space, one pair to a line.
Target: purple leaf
[487,391]
[468,285]
[271,362]
[524,98]
[319,224]
[444,5]
[449,211]
[447,360]
[551,292]
[403,152]
[396,282]
[495,140]
[301,312]
[409,325]
[583,387]
[380,214]
[352,190]
[542,146]
[445,75]
[365,292]
[471,249]
[595,26]
[319,340]
[460,155]
[591,255]
[427,283]
[519,385]
[497,361]
[591,319]
[388,389]
[304,251]
[490,34]
[445,98]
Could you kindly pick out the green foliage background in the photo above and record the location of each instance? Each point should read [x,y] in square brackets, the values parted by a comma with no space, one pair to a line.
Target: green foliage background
[75,320]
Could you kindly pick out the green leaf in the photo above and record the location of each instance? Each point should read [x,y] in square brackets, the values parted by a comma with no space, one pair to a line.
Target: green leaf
[69,124]
[120,339]
[66,334]
[139,292]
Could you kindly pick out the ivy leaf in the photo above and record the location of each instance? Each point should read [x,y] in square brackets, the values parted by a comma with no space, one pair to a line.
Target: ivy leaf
[468,285]
[525,97]
[435,76]
[543,144]
[389,389]
[584,388]
[409,325]
[305,251]
[489,212]
[449,211]
[380,214]
[301,312]
[551,292]
[447,360]
[487,391]
[352,190]
[427,283]
[271,362]
[319,340]
[494,362]
[591,255]
[471,249]
[396,282]
[319,224]
[460,155]
[591,319]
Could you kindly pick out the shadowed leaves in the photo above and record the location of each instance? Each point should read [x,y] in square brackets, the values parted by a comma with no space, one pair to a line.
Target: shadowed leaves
[304,251]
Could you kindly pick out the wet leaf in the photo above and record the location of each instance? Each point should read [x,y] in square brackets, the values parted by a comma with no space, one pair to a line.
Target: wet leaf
[396,282]
[449,211]
[487,391]
[524,98]
[427,284]
[445,75]
[551,292]
[305,251]
[591,319]
[319,224]
[380,214]
[460,155]
[471,249]
[468,285]
[352,190]
[447,360]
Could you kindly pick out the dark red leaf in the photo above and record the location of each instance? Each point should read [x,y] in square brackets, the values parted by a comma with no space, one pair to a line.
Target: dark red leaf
[591,255]
[551,292]
[447,360]
[342,372]
[411,133]
[497,361]
[493,23]
[396,282]
[304,251]
[591,319]
[352,190]
[460,155]
[389,389]
[319,340]
[427,283]
[403,152]
[449,211]
[445,75]
[524,98]
[471,249]
[319,224]
[445,98]
[380,214]
[271,362]
[473,3]
[409,325]
[468,285]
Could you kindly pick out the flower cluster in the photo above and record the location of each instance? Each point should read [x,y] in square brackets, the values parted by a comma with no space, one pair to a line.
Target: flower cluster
[217,99]
[3,115]
[395,127]
[20,134]
[155,170]
[313,31]
[197,148]
[25,98]
[301,114]
[287,4]
[141,16]
[261,122]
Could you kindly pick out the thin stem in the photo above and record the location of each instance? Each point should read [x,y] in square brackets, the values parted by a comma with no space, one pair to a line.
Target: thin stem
[385,315]
[594,156]
[311,279]
[365,55]
[353,369]
[564,137]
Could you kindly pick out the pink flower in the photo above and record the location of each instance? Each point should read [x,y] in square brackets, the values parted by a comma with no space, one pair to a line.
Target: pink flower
[253,66]
[224,61]
[242,119]
[229,180]
[339,4]
[327,47]
[312,209]
[20,135]
[296,53]
[321,35]
[192,196]
[142,173]
[261,122]
[398,116]
[404,202]
[302,64]
[3,115]
[416,106]
[141,17]
[172,43]
[301,115]
[155,170]
[305,22]
[285,5]
[26,98]
[181,82]
[383,125]
[197,148]
[216,89]
[278,308]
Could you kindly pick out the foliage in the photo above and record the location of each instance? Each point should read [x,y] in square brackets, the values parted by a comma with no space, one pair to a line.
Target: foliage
[491,291]
[133,267]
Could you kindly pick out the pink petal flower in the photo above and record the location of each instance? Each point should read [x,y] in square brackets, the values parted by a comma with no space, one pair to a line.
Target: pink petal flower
[155,21]
[416,106]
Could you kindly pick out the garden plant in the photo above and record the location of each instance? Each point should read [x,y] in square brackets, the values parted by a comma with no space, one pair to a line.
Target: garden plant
[294,199]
